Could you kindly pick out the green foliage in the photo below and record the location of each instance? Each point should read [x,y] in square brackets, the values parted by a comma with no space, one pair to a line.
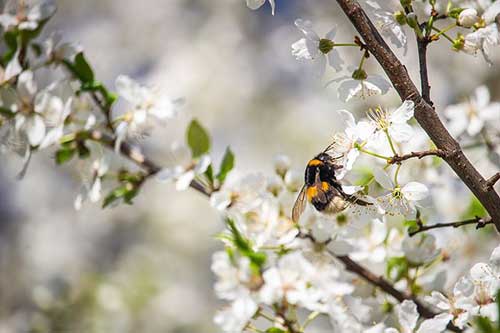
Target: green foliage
[226,166]
[455,12]
[197,139]
[82,69]
[10,38]
[64,155]
[127,191]
[257,259]
[397,268]
[411,225]
[474,209]
[274,330]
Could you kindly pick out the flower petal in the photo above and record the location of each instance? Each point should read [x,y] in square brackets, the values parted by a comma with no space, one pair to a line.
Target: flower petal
[414,191]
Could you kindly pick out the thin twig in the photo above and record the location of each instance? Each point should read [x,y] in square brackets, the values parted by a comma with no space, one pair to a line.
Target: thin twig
[422,44]
[492,180]
[424,112]
[480,222]
[135,155]
[378,281]
[397,159]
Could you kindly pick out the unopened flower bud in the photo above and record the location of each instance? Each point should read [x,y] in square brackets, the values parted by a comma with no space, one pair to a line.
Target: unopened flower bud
[458,43]
[293,180]
[281,164]
[400,17]
[274,185]
[467,18]
[412,21]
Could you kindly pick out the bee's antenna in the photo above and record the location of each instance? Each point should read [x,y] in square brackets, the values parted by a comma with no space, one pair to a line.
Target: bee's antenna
[329,147]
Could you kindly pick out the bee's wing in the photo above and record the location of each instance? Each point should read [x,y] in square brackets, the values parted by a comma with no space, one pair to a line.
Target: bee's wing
[300,205]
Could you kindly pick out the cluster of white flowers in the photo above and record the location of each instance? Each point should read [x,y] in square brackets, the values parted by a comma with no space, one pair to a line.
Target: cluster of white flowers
[473,295]
[274,265]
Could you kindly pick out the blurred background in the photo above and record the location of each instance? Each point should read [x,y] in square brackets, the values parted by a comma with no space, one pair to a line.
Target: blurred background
[146,268]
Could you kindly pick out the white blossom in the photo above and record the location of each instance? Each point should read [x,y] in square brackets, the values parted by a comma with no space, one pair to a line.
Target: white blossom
[420,249]
[186,169]
[392,123]
[408,318]
[146,103]
[316,49]
[28,17]
[468,17]
[486,37]
[361,85]
[235,318]
[92,183]
[401,199]
[471,116]
[386,20]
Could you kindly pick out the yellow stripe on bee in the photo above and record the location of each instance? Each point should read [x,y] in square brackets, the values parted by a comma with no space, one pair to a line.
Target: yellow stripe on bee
[325,186]
[314,162]
[311,192]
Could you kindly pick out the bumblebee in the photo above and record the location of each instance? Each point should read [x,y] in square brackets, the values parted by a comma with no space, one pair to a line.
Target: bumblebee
[322,189]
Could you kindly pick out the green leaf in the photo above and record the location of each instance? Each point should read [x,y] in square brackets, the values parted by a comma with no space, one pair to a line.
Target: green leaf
[474,209]
[82,69]
[274,330]
[63,155]
[226,166]
[83,151]
[411,225]
[397,268]
[257,259]
[455,12]
[485,325]
[197,139]
[6,112]
[116,194]
[10,38]
[498,308]
[210,174]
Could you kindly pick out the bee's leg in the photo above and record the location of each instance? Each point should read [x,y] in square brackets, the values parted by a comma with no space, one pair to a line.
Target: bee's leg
[355,200]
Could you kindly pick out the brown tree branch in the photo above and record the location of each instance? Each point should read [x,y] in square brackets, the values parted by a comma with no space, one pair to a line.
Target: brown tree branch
[135,155]
[397,159]
[424,112]
[378,281]
[480,222]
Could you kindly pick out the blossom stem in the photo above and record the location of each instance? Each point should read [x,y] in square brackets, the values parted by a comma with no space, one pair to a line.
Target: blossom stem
[345,44]
[480,222]
[309,320]
[362,61]
[252,328]
[443,34]
[266,316]
[390,142]
[396,174]
[445,30]
[371,153]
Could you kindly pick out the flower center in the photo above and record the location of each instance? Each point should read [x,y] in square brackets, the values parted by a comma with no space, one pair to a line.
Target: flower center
[397,194]
[325,45]
[380,117]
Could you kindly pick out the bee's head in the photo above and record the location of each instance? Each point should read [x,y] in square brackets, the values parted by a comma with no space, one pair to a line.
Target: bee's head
[323,157]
